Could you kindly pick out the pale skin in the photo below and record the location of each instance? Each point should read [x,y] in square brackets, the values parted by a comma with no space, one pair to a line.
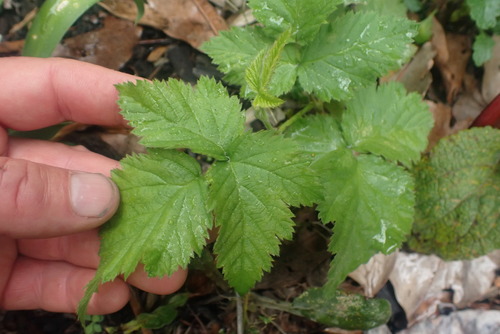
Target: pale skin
[48,217]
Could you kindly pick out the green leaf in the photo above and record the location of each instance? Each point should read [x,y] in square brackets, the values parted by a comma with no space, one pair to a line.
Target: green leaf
[250,194]
[371,202]
[458,196]
[51,23]
[304,17]
[385,7]
[352,52]
[258,75]
[162,220]
[140,10]
[484,12]
[338,309]
[245,44]
[317,135]
[174,115]
[482,49]
[388,122]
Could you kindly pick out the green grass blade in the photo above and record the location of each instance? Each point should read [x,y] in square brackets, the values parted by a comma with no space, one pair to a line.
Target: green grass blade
[51,23]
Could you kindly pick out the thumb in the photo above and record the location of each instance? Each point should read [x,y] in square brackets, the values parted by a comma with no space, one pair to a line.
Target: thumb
[41,201]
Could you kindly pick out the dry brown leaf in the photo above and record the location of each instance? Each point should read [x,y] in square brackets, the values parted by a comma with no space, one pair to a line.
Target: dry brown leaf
[453,69]
[442,114]
[193,21]
[11,48]
[439,42]
[110,46]
[416,75]
[491,80]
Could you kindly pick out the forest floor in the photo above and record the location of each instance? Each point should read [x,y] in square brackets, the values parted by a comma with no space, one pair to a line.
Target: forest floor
[423,290]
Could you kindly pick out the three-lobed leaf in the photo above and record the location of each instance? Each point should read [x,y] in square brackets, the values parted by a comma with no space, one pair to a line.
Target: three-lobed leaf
[174,115]
[162,221]
[370,199]
[387,122]
[250,194]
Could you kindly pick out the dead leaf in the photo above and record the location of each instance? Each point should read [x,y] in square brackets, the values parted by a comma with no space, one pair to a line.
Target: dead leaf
[438,42]
[416,75]
[11,48]
[491,79]
[453,69]
[419,282]
[110,46]
[442,114]
[373,275]
[193,21]
[461,322]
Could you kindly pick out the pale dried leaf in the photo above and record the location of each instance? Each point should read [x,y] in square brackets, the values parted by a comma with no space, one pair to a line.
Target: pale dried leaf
[111,46]
[193,21]
[461,322]
[419,282]
[416,75]
[373,275]
[491,79]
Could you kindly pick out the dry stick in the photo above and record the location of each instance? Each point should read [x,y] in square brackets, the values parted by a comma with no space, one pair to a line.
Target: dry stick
[205,16]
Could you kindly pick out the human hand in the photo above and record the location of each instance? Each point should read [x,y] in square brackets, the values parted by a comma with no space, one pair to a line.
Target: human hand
[53,197]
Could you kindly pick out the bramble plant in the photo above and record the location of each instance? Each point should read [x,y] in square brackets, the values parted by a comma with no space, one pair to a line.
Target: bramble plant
[350,158]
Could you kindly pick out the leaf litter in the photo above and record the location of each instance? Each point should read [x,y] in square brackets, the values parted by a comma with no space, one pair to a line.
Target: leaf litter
[434,294]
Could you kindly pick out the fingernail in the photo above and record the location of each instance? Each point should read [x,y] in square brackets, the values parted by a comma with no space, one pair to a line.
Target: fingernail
[92,195]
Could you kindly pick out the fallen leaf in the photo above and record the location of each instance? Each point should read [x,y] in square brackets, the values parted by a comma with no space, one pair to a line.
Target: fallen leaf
[373,275]
[442,114]
[416,75]
[453,69]
[491,79]
[11,48]
[111,46]
[419,282]
[193,21]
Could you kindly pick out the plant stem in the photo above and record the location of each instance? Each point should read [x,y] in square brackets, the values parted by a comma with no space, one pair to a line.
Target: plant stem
[239,314]
[295,117]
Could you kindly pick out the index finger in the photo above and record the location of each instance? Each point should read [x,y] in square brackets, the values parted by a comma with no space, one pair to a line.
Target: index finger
[36,93]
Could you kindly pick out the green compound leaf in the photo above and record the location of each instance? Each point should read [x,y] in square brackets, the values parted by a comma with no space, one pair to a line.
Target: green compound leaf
[352,52]
[338,309]
[162,220]
[458,196]
[484,12]
[388,122]
[303,17]
[371,202]
[250,194]
[174,115]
